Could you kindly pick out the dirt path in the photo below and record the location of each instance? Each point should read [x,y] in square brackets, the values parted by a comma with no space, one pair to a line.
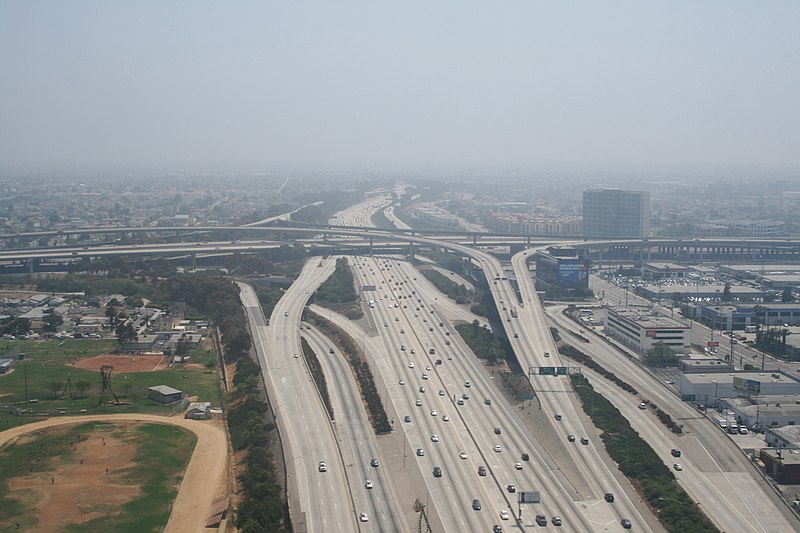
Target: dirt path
[204,478]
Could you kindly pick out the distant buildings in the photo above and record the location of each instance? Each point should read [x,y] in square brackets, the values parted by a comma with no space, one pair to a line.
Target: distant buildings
[615,213]
[525,224]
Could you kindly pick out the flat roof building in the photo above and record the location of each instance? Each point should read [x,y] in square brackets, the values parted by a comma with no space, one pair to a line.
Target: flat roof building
[639,329]
[708,388]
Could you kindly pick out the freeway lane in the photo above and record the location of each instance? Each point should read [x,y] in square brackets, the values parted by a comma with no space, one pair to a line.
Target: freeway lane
[716,472]
[356,437]
[319,501]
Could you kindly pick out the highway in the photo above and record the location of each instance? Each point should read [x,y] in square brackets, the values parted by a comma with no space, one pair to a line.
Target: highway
[357,440]
[716,472]
[319,501]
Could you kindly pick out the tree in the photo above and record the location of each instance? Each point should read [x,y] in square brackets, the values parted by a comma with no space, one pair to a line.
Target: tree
[677,298]
[660,355]
[82,385]
[55,387]
[125,333]
[51,321]
[111,313]
[726,293]
[787,296]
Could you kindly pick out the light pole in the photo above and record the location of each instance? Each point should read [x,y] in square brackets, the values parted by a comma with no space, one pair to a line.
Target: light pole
[716,384]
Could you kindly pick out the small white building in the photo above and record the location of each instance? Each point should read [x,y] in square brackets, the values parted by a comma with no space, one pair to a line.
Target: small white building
[199,411]
[639,329]
[707,388]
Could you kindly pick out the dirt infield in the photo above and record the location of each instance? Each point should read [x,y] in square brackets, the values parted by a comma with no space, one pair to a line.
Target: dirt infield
[205,476]
[125,363]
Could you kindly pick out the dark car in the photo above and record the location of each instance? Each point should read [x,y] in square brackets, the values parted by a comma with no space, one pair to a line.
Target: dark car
[511,488]
[625,523]
[541,519]
[437,472]
[497,431]
[609,497]
[675,452]
[525,457]
[481,470]
[374,463]
[497,529]
[476,504]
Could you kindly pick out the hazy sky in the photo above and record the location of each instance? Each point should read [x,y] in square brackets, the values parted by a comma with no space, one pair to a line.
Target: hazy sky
[399,85]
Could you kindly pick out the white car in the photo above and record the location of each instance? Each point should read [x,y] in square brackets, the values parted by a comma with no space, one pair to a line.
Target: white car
[402,382]
[441,392]
[463,455]
[433,412]
[411,364]
[364,517]
[323,467]
[497,448]
[434,438]
[518,466]
[446,418]
[424,376]
[369,484]
[467,384]
[678,467]
[418,403]
[503,515]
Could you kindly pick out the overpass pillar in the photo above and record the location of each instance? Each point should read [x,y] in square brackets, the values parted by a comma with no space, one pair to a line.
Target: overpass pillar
[474,240]
[194,260]
[527,241]
[370,246]
[411,249]
[31,265]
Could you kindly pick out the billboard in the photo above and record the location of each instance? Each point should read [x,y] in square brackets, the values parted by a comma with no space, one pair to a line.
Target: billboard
[747,385]
[529,496]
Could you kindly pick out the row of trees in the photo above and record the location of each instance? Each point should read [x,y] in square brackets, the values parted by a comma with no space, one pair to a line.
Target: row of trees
[455,291]
[262,507]
[217,298]
[315,368]
[339,293]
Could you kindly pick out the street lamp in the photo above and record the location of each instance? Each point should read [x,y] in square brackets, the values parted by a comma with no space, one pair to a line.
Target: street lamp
[716,385]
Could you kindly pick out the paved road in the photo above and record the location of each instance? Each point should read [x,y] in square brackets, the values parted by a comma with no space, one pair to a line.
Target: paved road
[319,501]
[204,479]
[716,473]
[356,438]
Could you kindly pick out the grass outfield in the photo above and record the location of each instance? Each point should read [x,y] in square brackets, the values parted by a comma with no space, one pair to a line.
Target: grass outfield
[47,365]
[148,472]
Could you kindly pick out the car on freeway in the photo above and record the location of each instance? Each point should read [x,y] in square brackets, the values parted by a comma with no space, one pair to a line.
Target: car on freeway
[460,401]
[425,376]
[678,467]
[518,466]
[422,390]
[675,452]
[487,401]
[434,438]
[433,412]
[497,529]
[369,484]
[497,431]
[571,437]
[462,454]
[407,418]
[481,470]
[584,441]
[541,519]
[437,471]
[467,384]
[626,524]
[402,382]
[609,496]
[411,364]
[418,403]
[511,488]
[420,452]
[503,514]
[476,504]
[497,448]
[323,467]
[441,392]
[558,416]
[642,406]
[364,517]
[446,418]
[413,351]
[556,520]
[373,463]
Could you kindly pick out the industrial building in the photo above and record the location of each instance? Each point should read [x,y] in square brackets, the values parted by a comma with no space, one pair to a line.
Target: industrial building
[640,329]
[764,412]
[707,388]
[614,213]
